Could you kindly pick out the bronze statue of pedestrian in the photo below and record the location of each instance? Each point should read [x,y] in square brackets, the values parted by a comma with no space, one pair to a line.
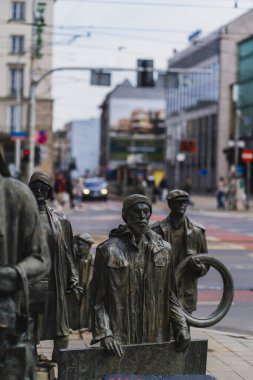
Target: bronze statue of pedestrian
[63,276]
[134,290]
[186,238]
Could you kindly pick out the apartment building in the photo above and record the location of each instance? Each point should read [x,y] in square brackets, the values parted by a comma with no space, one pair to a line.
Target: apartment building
[15,71]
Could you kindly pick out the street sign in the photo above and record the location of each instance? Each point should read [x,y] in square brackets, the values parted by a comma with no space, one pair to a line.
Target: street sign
[18,135]
[247,155]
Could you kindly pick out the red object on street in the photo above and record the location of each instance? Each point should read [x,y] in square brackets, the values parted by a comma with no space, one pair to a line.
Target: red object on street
[247,155]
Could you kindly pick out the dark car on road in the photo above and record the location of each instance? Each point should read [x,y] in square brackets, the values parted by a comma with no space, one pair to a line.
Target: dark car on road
[95,188]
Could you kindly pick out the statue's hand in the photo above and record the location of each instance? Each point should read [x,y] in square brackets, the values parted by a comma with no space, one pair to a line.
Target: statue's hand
[112,346]
[8,280]
[182,340]
[75,288]
[198,267]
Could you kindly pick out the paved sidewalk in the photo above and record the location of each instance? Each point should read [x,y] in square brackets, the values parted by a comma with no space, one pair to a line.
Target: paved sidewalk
[230,356]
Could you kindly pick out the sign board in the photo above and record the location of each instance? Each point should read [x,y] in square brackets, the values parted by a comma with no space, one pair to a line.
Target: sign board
[247,155]
[100,78]
[18,135]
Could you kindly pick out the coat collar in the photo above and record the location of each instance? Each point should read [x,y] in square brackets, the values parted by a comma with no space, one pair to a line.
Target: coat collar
[165,224]
[155,241]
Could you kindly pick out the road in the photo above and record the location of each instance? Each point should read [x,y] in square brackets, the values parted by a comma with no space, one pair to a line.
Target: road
[230,239]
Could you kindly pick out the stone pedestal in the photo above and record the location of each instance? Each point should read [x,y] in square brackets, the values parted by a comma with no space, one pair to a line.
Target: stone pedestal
[143,359]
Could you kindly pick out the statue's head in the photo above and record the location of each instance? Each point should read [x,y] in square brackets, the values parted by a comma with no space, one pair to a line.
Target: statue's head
[41,185]
[178,201]
[82,244]
[136,212]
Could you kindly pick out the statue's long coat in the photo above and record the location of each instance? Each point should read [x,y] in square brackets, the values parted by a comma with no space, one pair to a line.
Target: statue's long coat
[194,242]
[65,273]
[114,305]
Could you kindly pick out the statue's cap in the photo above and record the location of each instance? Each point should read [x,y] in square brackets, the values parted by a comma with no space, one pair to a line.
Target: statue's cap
[84,237]
[134,199]
[177,195]
[42,177]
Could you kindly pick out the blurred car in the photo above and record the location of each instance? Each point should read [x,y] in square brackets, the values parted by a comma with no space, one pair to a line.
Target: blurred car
[95,188]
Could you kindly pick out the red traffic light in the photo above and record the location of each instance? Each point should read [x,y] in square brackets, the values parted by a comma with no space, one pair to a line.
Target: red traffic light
[26,152]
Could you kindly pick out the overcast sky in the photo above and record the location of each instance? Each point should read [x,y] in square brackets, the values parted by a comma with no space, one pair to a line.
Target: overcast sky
[115,33]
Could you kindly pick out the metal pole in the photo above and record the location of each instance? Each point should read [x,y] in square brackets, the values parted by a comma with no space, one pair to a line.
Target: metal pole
[18,121]
[248,185]
[32,97]
[237,127]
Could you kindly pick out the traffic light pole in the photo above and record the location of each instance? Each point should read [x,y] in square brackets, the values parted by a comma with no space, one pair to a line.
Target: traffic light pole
[32,97]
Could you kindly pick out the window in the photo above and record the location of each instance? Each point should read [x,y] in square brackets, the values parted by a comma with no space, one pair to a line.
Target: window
[16,81]
[14,118]
[17,44]
[12,121]
[18,10]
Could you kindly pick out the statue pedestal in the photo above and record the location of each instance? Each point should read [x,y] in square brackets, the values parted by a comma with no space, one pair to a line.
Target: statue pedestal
[143,359]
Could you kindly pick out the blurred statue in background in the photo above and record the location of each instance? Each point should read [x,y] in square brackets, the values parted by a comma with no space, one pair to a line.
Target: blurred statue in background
[54,323]
[186,238]
[23,256]
[85,263]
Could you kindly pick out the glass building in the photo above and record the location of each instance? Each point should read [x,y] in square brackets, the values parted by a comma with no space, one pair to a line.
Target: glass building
[245,88]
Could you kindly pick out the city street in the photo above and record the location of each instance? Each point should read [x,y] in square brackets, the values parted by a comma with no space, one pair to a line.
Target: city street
[230,239]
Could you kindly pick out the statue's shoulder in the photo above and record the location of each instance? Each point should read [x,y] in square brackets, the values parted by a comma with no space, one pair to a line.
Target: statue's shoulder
[109,244]
[15,189]
[161,224]
[57,213]
[197,225]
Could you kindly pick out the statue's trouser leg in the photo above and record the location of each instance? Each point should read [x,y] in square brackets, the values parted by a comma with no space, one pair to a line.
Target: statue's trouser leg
[59,342]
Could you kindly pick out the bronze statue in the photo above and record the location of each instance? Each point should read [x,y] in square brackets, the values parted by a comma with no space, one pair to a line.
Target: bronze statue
[133,288]
[85,264]
[186,238]
[63,275]
[23,250]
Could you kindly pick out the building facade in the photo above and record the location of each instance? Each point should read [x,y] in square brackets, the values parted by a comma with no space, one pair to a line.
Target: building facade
[132,127]
[200,108]
[15,70]
[82,146]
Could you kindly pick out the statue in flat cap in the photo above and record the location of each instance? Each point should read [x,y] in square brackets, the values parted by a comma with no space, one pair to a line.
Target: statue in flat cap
[133,287]
[63,275]
[186,238]
[79,316]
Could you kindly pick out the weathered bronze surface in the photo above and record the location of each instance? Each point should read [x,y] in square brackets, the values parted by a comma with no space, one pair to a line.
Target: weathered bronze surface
[143,359]
[63,275]
[86,267]
[133,295]
[186,238]
[22,249]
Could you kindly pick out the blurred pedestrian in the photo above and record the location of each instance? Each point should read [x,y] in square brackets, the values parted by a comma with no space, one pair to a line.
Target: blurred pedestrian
[78,192]
[220,194]
[163,186]
[188,188]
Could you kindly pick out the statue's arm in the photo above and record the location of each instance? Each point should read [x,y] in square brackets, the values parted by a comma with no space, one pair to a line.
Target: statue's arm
[100,318]
[179,325]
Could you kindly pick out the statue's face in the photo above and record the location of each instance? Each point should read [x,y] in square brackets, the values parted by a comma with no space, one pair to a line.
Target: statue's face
[137,217]
[178,207]
[40,190]
[82,248]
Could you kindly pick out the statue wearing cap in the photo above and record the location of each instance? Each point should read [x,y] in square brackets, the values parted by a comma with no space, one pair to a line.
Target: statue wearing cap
[186,238]
[79,316]
[63,274]
[133,288]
